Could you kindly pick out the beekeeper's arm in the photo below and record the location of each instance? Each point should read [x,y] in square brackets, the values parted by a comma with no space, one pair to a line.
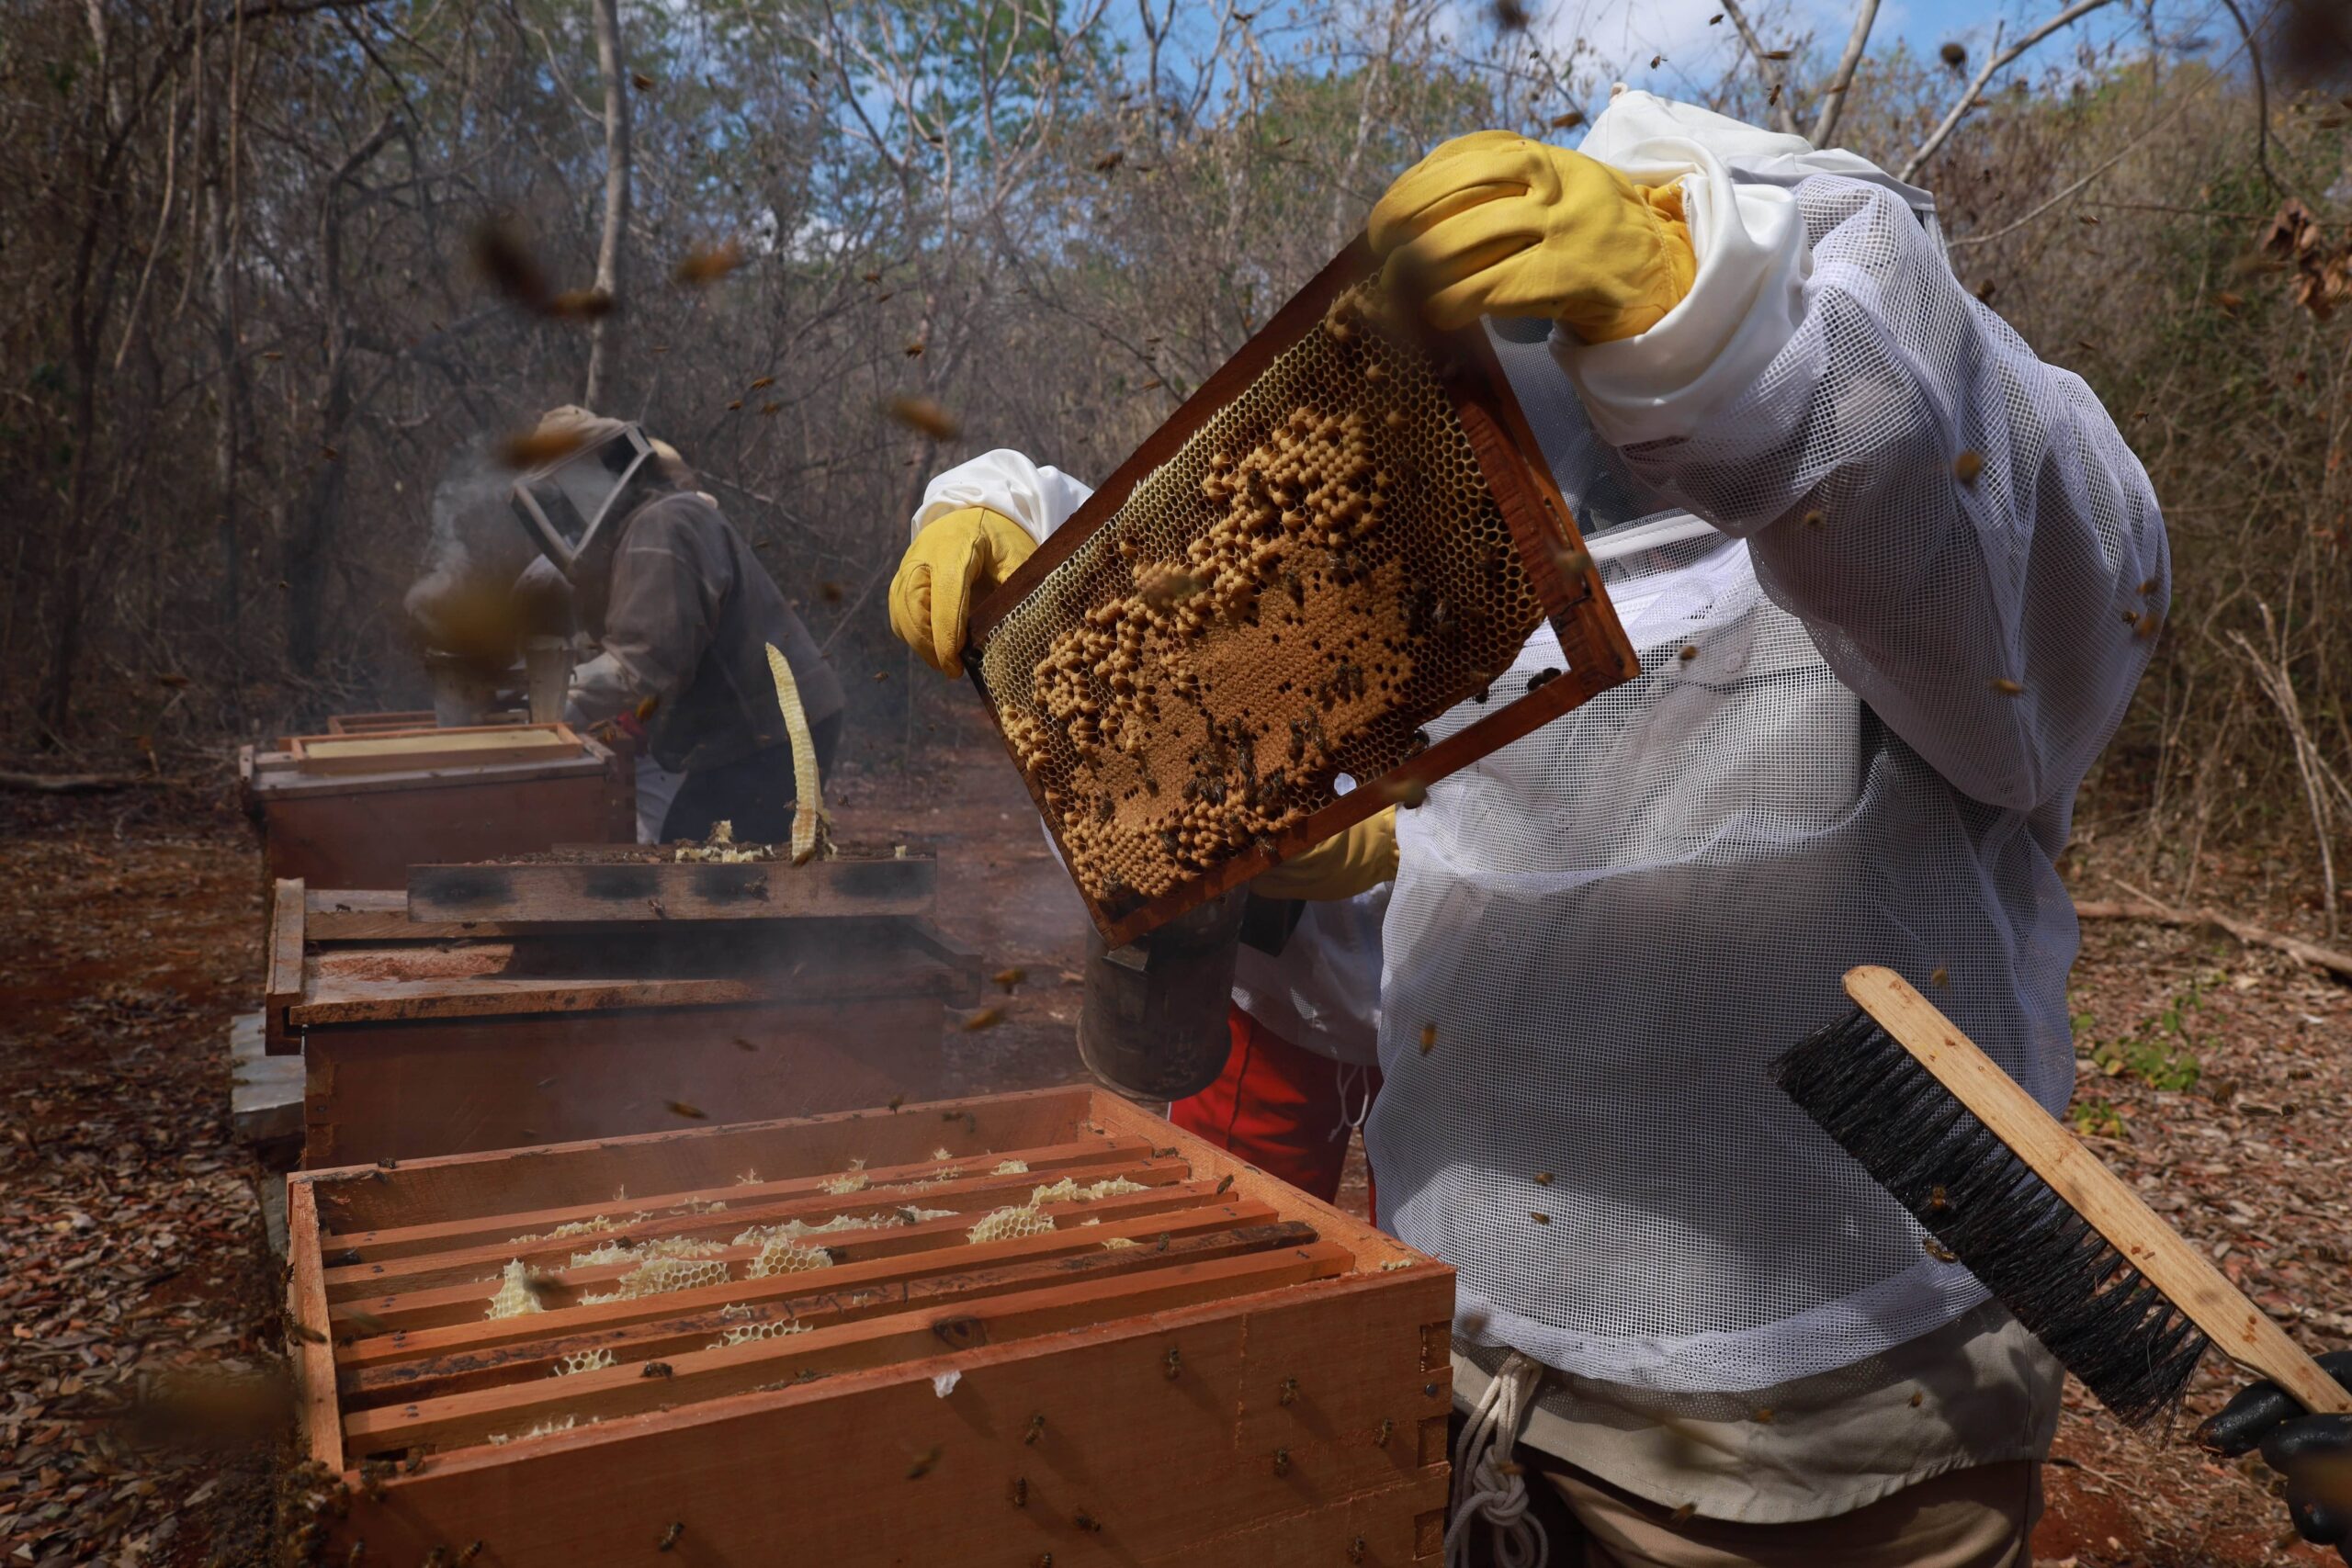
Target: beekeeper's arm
[1960,526]
[977,523]
[669,576]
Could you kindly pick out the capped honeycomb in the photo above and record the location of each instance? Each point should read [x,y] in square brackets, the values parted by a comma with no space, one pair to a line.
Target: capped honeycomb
[1319,570]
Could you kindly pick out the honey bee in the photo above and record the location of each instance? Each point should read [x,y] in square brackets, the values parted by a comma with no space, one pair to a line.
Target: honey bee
[1429,1038]
[670,1538]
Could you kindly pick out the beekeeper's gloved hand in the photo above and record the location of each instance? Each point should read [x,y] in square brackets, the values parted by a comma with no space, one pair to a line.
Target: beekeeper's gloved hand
[2313,1453]
[953,559]
[1496,224]
[1355,860]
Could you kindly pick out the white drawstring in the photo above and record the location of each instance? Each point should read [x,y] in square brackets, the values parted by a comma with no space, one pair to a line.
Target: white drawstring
[1483,1488]
[1350,1121]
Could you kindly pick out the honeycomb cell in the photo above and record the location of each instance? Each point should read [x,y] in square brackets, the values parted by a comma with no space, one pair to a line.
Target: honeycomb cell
[1318,572]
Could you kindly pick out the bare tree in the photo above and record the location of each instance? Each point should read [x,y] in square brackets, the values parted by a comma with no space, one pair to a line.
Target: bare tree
[602,334]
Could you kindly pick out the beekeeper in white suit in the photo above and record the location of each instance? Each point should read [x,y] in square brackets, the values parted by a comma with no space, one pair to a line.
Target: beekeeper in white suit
[1893,580]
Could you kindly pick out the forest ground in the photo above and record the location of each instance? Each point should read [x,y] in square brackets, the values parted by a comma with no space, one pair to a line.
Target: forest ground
[131,1242]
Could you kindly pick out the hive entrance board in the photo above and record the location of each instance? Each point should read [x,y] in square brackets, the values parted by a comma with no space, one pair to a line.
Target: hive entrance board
[1346,531]
[1028,1325]
[385,751]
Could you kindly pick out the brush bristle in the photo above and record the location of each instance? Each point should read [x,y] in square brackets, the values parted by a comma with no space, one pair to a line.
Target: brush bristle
[2111,1328]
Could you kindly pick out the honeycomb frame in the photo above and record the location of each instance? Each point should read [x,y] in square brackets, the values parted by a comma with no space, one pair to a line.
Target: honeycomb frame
[1309,392]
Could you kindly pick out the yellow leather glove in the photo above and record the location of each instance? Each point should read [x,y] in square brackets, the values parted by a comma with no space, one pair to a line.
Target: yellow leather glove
[1495,224]
[955,559]
[1341,866]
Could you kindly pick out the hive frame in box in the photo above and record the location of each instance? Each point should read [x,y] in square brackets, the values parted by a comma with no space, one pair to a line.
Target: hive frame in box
[1283,1399]
[1565,581]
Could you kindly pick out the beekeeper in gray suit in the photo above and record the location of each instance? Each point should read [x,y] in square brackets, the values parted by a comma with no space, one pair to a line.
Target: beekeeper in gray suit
[683,613]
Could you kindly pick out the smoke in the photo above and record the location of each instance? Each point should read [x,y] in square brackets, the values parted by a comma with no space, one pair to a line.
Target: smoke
[464,600]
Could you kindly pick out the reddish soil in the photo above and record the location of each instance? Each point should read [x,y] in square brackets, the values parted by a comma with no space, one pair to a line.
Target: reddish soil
[131,1248]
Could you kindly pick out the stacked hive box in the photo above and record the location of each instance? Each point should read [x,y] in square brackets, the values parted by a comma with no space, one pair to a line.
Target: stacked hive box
[1036,1327]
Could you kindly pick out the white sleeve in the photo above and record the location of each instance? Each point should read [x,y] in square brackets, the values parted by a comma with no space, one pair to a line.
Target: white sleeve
[1040,499]
[1968,539]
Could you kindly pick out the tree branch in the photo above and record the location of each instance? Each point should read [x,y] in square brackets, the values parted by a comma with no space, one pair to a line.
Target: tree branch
[1769,69]
[2261,96]
[1994,62]
[1833,101]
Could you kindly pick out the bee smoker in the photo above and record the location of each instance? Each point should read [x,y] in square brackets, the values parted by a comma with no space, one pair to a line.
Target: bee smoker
[1152,1021]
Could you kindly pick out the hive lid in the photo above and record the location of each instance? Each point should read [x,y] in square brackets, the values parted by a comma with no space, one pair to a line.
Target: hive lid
[383,751]
[1347,530]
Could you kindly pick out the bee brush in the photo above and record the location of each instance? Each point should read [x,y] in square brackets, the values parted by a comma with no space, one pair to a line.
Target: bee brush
[2114,1292]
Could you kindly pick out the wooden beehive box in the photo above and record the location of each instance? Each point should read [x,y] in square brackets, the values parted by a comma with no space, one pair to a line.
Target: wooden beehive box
[1197,1365]
[362,822]
[546,1006]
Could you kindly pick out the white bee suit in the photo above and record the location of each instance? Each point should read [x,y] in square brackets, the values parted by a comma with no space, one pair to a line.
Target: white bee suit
[1869,692]
[1322,991]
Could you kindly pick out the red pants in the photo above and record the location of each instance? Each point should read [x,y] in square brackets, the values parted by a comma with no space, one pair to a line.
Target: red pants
[1280,1106]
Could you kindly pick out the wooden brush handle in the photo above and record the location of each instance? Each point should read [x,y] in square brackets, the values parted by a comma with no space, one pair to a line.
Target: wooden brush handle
[2242,1331]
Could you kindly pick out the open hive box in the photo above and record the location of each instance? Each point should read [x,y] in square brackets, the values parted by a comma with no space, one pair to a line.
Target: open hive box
[1026,1328]
[1346,531]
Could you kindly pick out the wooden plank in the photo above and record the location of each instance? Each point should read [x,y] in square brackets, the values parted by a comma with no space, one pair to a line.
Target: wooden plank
[401,1241]
[282,977]
[1166,1471]
[475,1416]
[1374,1250]
[379,1342]
[306,1307]
[811,1300]
[276,775]
[691,1157]
[464,1302]
[2238,1329]
[426,749]
[351,1274]
[637,889]
[357,916]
